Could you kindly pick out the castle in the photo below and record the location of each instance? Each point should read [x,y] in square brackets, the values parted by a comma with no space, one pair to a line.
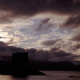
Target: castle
[20,63]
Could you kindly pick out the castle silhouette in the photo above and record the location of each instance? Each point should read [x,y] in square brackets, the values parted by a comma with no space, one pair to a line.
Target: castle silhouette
[20,63]
[20,67]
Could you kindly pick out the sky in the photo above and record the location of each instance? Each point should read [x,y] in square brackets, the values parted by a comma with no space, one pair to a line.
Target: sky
[48,29]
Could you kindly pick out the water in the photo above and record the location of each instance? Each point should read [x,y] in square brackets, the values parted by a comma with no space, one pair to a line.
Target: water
[50,75]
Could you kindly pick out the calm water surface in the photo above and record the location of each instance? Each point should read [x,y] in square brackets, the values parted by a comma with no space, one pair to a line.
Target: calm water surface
[50,75]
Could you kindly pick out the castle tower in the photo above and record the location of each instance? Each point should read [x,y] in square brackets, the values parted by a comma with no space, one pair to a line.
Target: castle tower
[20,63]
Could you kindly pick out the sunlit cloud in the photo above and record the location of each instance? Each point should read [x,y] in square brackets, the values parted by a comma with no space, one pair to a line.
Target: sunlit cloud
[21,32]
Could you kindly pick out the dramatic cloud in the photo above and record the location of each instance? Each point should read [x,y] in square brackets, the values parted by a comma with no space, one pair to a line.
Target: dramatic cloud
[77,46]
[6,50]
[76,38]
[73,22]
[30,7]
[44,21]
[41,24]
[50,42]
[60,55]
[44,25]
[5,19]
[52,55]
[76,2]
[3,44]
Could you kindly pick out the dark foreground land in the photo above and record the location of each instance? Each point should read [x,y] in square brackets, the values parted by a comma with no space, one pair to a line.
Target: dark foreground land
[20,65]
[6,68]
[34,67]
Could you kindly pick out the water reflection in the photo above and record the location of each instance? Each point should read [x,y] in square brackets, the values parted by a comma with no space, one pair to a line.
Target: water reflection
[6,77]
[50,75]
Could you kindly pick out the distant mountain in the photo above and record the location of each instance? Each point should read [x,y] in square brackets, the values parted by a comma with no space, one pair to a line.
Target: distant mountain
[59,66]
[76,62]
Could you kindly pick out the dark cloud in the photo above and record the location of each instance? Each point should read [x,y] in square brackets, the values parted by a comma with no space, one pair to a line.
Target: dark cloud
[6,50]
[76,2]
[30,7]
[45,21]
[39,55]
[61,55]
[76,38]
[50,42]
[2,37]
[5,19]
[53,55]
[77,46]
[44,25]
[73,22]
[3,44]
[16,8]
